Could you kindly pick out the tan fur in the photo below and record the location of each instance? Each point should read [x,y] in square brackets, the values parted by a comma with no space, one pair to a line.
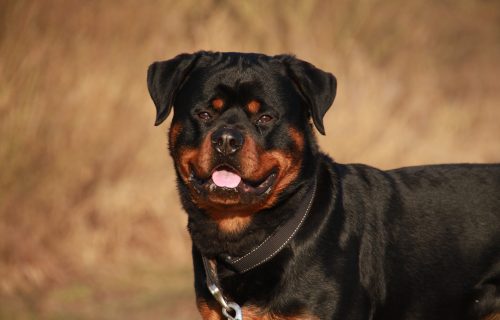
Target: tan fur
[493,316]
[218,104]
[175,130]
[199,158]
[209,311]
[232,223]
[253,106]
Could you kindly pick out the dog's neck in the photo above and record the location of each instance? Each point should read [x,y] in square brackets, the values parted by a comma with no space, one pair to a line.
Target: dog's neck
[211,241]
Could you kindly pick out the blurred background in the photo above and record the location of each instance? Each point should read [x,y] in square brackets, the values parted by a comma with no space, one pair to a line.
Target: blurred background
[90,223]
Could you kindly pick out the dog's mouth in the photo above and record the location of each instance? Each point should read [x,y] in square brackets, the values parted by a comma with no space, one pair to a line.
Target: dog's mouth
[227,181]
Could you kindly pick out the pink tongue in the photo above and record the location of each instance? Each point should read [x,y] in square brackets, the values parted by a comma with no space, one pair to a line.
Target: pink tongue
[223,178]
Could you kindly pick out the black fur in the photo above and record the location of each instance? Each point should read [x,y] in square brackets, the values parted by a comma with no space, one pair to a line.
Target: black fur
[412,243]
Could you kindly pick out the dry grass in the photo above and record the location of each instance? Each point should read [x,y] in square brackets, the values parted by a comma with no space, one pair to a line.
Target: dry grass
[90,225]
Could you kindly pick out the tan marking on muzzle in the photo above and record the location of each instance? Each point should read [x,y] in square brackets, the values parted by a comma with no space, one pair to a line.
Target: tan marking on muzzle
[173,134]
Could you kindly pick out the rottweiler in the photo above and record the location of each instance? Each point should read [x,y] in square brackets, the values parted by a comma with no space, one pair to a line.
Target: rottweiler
[281,231]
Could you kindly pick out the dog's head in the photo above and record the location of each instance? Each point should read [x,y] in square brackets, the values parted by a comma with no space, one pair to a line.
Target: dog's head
[241,128]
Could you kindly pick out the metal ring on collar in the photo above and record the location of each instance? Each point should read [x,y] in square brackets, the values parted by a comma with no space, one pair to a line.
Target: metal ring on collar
[236,309]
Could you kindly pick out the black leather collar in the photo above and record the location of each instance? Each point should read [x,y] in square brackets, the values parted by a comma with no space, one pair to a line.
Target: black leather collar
[273,244]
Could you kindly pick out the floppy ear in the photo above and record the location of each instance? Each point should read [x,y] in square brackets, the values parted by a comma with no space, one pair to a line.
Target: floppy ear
[317,86]
[164,81]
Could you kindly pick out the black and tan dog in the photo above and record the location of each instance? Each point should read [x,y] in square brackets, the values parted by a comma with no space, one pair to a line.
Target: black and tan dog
[281,231]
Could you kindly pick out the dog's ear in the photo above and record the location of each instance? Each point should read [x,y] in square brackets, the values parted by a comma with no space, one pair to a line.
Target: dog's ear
[165,78]
[316,86]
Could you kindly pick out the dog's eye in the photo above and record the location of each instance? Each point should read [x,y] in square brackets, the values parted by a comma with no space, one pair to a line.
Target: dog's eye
[263,119]
[204,115]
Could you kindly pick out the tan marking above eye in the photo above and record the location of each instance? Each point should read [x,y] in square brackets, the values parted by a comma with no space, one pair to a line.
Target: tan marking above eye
[217,103]
[253,106]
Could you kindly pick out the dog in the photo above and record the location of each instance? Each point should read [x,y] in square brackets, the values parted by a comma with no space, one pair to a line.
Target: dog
[281,231]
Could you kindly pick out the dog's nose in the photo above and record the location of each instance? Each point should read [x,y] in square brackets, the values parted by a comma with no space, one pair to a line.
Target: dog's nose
[227,141]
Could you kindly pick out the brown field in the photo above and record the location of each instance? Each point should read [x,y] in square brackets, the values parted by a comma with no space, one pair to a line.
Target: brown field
[90,223]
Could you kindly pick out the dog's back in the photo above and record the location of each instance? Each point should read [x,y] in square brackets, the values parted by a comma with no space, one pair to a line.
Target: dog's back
[438,232]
